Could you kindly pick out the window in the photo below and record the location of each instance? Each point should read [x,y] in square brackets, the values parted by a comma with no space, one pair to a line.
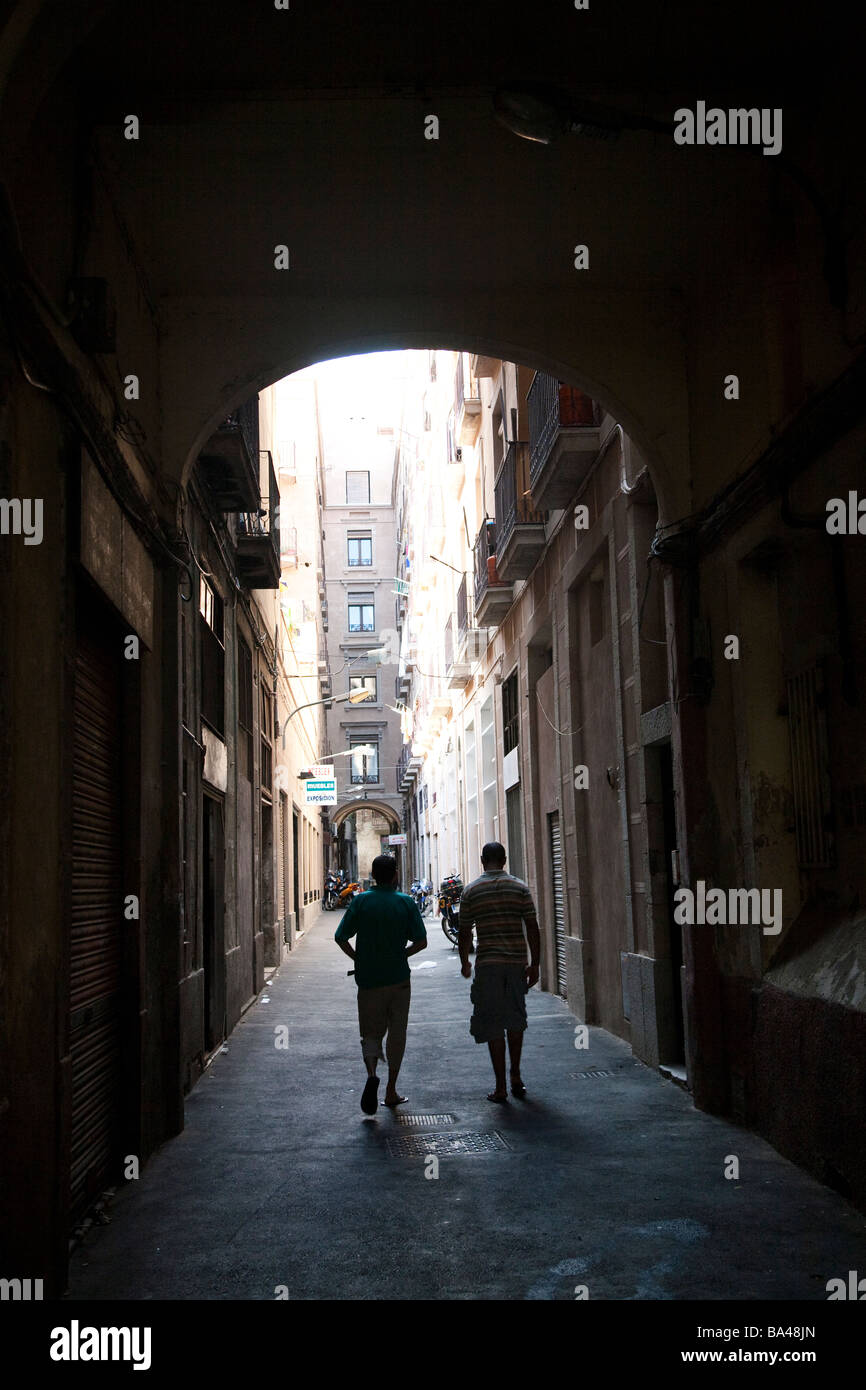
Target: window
[455,453]
[365,759]
[357,486]
[266,732]
[360,548]
[510,713]
[212,657]
[362,613]
[364,683]
[245,709]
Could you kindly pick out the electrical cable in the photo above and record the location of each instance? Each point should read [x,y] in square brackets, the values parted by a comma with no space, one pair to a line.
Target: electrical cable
[550,721]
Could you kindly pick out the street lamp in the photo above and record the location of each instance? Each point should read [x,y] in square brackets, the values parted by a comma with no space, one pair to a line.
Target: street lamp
[354,697]
[306,774]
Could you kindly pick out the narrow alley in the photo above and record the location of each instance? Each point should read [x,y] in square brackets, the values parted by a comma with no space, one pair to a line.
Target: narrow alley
[605,1179]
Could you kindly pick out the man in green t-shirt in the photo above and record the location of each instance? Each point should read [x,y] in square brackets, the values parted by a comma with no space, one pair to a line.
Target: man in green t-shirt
[383,920]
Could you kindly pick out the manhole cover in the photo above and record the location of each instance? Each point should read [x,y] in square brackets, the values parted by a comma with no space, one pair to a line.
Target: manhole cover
[425,1121]
[445,1145]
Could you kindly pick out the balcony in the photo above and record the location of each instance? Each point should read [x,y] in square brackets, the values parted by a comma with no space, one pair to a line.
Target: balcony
[230,460]
[493,596]
[520,535]
[563,440]
[467,405]
[258,537]
[482,365]
[457,670]
[471,640]
[408,767]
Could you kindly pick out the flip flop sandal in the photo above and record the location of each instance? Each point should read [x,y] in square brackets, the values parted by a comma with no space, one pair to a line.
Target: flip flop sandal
[518,1089]
[401,1100]
[497,1100]
[369,1101]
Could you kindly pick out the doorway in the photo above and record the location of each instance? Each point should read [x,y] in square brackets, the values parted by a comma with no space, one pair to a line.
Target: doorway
[213,921]
[270,926]
[677,1031]
[296,877]
[557,899]
[96,975]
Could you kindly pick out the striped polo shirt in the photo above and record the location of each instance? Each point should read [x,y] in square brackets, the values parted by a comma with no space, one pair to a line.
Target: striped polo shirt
[497,904]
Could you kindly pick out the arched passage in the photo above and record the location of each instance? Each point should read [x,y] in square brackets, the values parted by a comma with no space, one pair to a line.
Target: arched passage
[704,265]
[361,830]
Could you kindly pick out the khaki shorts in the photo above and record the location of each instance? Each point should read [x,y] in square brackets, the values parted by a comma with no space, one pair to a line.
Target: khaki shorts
[498,994]
[382,1010]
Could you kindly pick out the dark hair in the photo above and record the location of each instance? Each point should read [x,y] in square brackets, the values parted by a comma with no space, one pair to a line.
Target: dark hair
[493,853]
[384,868]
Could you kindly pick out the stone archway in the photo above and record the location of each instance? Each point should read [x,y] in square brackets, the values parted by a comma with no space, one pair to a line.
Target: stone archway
[361,829]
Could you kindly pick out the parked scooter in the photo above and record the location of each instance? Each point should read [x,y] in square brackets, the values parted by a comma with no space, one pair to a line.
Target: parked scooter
[334,882]
[420,891]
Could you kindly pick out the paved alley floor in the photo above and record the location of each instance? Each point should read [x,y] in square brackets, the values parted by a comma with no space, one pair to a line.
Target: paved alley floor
[610,1180]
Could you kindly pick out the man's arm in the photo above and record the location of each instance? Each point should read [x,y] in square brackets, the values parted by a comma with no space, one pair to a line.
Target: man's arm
[417,932]
[464,938]
[533,937]
[346,930]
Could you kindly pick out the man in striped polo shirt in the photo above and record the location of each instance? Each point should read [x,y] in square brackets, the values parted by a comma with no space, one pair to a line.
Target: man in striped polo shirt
[499,906]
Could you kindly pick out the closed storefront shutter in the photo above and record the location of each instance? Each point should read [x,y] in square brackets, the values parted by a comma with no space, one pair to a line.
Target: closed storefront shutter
[558,900]
[96,916]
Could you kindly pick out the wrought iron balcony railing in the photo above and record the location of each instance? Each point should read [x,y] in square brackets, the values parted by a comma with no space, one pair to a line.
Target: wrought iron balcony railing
[462,607]
[485,560]
[512,494]
[258,534]
[555,408]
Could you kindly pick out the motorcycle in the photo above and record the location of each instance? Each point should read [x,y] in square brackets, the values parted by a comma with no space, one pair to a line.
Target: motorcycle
[331,895]
[347,893]
[420,891]
[450,893]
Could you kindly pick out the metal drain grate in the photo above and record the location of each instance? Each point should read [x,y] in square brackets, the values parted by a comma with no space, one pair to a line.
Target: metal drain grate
[446,1145]
[425,1121]
[593,1072]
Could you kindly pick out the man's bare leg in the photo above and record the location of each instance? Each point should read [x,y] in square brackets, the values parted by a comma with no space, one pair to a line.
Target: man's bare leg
[497,1057]
[369,1102]
[515,1047]
[395,1043]
[392,1096]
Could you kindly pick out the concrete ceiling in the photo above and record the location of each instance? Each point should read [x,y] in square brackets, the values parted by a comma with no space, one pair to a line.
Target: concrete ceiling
[306,128]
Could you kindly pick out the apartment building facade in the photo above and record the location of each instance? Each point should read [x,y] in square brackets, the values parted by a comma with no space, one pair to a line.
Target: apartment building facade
[360,451]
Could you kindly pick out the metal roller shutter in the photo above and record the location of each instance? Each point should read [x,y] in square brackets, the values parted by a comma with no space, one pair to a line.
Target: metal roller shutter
[558,900]
[96,917]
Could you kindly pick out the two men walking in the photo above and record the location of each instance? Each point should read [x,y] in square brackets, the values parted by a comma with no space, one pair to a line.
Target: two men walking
[384,920]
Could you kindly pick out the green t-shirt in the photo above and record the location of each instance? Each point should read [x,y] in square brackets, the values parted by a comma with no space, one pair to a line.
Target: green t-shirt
[384,920]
